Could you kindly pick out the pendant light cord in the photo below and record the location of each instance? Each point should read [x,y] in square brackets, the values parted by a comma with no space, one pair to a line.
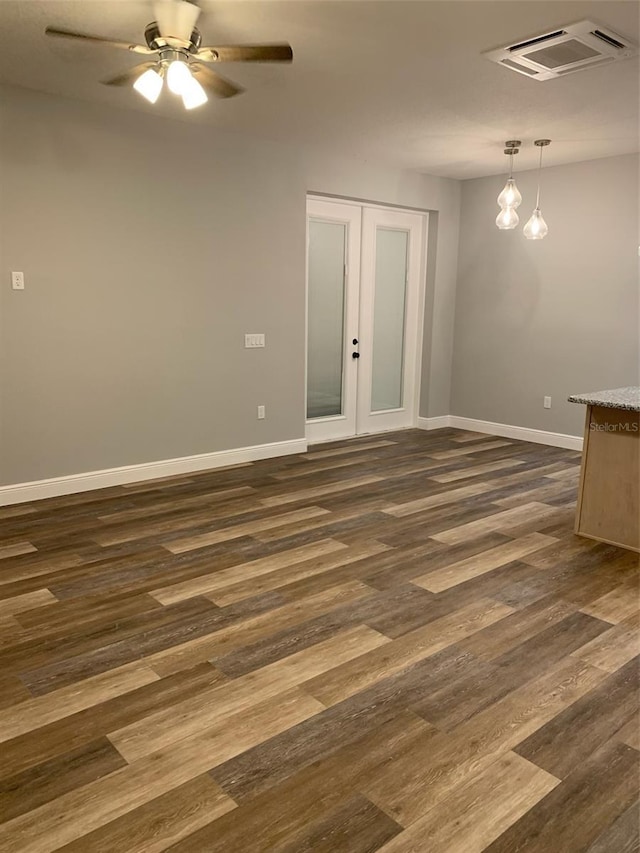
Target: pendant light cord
[539,173]
[511,165]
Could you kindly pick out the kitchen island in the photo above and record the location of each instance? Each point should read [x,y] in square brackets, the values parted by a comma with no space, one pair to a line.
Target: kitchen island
[609,494]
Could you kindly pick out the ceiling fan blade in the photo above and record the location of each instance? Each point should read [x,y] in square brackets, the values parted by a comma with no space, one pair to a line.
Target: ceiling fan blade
[130,75]
[215,82]
[176,18]
[124,45]
[247,53]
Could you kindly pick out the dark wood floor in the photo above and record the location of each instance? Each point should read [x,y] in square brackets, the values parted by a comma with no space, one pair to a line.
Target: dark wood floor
[394,643]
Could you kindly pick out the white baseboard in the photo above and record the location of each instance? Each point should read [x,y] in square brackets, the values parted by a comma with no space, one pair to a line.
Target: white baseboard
[87,481]
[434,423]
[72,483]
[537,436]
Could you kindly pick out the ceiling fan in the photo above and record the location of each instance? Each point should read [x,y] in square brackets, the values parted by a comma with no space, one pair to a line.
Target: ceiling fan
[175,53]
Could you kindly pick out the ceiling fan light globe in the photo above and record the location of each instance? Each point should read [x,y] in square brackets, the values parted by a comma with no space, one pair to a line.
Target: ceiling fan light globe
[193,95]
[149,85]
[178,77]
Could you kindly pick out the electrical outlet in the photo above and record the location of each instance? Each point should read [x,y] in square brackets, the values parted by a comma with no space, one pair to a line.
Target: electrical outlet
[261,413]
[17,280]
[253,341]
[547,402]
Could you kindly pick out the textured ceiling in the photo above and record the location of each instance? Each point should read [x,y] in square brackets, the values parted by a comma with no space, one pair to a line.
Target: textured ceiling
[396,82]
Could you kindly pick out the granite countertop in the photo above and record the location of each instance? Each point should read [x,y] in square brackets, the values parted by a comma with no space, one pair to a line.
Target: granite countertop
[617,398]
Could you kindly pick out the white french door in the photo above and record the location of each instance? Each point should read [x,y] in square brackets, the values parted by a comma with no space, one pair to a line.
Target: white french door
[364,303]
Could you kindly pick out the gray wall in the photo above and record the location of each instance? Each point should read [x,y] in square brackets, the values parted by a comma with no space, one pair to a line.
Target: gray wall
[552,317]
[149,248]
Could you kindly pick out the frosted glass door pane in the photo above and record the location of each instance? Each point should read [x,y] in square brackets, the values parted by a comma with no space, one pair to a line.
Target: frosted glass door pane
[325,356]
[389,319]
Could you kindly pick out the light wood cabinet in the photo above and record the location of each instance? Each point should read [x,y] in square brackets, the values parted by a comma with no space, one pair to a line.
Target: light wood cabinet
[609,495]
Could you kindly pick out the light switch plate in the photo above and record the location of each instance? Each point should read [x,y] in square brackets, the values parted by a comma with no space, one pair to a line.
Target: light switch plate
[253,341]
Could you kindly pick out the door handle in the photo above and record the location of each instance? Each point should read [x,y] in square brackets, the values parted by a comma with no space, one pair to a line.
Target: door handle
[355,355]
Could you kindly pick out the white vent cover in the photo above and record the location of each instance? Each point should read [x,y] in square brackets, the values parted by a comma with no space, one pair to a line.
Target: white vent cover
[572,48]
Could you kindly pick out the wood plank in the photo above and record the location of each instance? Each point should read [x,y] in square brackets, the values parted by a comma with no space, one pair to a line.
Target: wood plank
[43,783]
[564,743]
[298,572]
[99,802]
[630,733]
[399,789]
[439,499]
[574,815]
[472,567]
[244,571]
[356,825]
[38,712]
[182,719]
[524,624]
[27,601]
[202,540]
[450,705]
[156,825]
[15,549]
[247,631]
[78,729]
[351,677]
[476,471]
[622,836]
[278,815]
[86,809]
[614,647]
[615,606]
[478,811]
[498,521]
[354,447]
[469,449]
[319,491]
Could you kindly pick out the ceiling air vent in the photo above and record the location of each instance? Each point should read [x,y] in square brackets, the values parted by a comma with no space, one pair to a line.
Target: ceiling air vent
[556,53]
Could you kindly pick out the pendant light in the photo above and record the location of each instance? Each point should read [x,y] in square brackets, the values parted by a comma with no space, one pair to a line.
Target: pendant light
[536,228]
[507,219]
[510,197]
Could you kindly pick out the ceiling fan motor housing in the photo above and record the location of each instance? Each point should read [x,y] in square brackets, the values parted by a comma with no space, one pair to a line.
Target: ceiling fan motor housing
[156,41]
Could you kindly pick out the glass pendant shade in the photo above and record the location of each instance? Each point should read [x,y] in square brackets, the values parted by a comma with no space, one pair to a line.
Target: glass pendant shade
[510,195]
[193,95]
[178,77]
[149,85]
[507,219]
[536,228]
